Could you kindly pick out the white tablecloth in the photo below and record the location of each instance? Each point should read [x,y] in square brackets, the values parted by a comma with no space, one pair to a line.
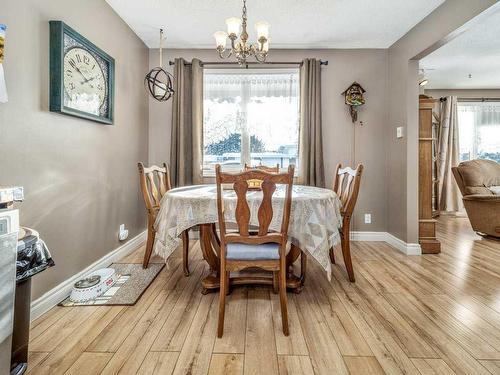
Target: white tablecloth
[314,219]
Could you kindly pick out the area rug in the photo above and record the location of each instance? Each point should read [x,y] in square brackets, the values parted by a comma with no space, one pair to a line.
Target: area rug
[131,283]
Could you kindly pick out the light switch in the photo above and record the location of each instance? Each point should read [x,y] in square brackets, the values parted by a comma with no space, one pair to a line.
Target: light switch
[399,132]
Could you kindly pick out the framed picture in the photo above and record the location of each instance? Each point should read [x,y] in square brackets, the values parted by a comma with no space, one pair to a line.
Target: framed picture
[82,76]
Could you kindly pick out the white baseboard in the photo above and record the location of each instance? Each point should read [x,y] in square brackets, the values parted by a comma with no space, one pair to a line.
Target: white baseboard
[61,291]
[405,248]
[368,236]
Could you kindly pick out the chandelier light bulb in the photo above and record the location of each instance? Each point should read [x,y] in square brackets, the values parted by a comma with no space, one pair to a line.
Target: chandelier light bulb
[262,28]
[220,39]
[233,25]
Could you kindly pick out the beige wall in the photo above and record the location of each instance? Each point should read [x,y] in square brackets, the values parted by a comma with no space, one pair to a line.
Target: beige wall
[368,67]
[80,177]
[444,23]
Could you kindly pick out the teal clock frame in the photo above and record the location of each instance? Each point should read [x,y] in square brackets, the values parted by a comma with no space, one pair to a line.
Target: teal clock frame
[56,101]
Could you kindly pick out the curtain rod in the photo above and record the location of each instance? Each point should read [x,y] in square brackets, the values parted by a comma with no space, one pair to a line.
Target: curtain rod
[479,99]
[443,99]
[322,62]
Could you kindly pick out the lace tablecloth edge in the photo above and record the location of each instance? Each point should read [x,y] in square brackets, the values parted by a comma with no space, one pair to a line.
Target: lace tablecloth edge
[161,248]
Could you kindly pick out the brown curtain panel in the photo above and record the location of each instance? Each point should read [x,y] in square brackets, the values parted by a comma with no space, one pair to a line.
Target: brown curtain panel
[187,124]
[311,168]
[448,156]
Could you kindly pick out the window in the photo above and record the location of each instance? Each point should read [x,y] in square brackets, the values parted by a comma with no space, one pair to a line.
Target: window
[479,130]
[250,116]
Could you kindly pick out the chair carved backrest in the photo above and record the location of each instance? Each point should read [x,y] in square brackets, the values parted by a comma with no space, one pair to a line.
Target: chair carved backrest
[155,182]
[265,212]
[346,186]
[264,168]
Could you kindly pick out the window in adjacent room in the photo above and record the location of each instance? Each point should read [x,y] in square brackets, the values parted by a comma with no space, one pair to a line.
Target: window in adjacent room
[479,130]
[250,116]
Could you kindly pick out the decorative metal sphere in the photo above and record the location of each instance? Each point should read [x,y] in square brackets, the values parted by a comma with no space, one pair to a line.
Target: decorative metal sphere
[160,84]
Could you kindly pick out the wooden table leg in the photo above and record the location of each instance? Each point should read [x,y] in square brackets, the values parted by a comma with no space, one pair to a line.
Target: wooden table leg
[185,252]
[303,267]
[207,242]
[294,282]
[210,247]
[291,257]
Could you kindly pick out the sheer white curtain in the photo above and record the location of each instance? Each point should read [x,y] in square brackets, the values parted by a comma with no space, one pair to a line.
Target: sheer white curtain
[223,85]
[479,125]
[448,156]
[251,117]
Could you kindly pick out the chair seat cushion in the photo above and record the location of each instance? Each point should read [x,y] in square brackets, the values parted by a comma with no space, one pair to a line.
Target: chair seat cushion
[240,251]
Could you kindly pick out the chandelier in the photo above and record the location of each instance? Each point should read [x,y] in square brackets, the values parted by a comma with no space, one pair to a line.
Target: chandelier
[242,49]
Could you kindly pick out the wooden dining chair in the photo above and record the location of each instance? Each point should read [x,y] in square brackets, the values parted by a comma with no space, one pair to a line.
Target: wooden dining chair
[264,168]
[155,182]
[254,183]
[346,186]
[244,248]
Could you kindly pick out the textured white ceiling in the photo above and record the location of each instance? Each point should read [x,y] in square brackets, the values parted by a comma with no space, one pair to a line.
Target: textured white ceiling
[476,52]
[294,23]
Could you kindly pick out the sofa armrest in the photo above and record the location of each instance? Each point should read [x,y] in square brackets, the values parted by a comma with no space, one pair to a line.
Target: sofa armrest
[483,198]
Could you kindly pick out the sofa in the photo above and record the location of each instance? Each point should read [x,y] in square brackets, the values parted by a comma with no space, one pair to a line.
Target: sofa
[479,183]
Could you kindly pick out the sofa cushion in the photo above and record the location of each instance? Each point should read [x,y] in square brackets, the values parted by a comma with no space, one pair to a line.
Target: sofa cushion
[478,175]
[240,251]
[495,190]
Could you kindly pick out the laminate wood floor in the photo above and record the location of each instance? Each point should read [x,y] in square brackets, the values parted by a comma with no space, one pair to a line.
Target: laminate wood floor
[434,314]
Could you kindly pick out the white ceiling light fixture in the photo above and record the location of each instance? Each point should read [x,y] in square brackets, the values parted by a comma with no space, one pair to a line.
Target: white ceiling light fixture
[422,78]
[242,50]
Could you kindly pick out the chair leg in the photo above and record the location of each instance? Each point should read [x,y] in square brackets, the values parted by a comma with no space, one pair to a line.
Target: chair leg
[275,282]
[332,255]
[228,287]
[185,252]
[222,300]
[282,288]
[346,252]
[149,246]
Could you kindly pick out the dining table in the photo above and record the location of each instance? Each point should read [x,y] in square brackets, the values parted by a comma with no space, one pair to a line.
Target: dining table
[315,220]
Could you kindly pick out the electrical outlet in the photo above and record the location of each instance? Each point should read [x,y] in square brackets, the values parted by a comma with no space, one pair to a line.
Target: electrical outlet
[122,233]
[368,218]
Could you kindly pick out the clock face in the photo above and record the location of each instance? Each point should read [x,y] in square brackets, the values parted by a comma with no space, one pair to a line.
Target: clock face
[85,79]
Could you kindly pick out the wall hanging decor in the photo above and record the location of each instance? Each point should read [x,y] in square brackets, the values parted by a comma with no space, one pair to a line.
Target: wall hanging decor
[158,81]
[354,99]
[3,87]
[82,76]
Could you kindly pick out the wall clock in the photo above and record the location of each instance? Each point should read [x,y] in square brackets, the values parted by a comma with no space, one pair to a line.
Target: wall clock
[81,76]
